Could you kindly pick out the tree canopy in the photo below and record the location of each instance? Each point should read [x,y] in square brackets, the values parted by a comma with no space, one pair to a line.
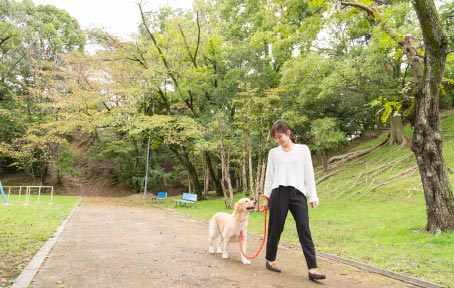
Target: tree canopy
[206,85]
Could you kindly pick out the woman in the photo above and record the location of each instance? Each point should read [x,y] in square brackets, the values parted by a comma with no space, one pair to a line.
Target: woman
[289,182]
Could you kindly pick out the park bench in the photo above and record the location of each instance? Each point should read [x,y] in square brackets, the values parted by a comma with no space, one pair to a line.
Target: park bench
[162,197]
[187,198]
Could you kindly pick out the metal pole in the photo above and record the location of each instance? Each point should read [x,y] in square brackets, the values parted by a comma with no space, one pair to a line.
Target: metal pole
[146,169]
[51,194]
[27,195]
[5,202]
[39,193]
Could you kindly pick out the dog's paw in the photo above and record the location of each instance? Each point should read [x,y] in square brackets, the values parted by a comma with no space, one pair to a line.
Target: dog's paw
[219,251]
[225,256]
[246,262]
[211,250]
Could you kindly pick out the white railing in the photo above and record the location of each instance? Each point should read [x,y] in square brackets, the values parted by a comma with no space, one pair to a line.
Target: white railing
[28,190]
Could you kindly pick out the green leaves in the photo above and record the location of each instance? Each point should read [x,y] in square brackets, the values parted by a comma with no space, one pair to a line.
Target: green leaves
[325,134]
[179,130]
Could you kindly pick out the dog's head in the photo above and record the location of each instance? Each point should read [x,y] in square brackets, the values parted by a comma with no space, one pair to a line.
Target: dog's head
[245,205]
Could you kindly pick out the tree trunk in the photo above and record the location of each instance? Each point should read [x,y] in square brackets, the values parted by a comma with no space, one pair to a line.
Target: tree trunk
[260,182]
[228,205]
[189,183]
[397,134]
[427,139]
[224,166]
[325,161]
[183,157]
[216,181]
[452,102]
[229,181]
[243,172]
[194,178]
[44,173]
[205,175]
[427,142]
[251,172]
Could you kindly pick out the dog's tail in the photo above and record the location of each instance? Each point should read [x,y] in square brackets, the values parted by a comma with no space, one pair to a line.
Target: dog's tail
[213,225]
[213,229]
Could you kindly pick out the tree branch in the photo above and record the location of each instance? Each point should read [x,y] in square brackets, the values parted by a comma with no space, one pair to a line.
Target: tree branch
[187,46]
[105,105]
[5,39]
[161,54]
[198,36]
[164,59]
[414,58]
[372,11]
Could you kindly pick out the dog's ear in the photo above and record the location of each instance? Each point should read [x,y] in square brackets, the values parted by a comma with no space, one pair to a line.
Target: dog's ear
[238,207]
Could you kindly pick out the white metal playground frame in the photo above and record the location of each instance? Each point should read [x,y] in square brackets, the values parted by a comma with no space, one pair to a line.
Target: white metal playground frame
[28,190]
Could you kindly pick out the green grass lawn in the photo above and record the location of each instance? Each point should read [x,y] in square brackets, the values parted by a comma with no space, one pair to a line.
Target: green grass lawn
[25,228]
[370,215]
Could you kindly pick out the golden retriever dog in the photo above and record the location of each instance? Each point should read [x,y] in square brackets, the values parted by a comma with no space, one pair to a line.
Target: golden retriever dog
[225,228]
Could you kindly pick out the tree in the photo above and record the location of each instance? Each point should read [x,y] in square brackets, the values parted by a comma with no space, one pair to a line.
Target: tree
[33,40]
[428,69]
[222,131]
[326,137]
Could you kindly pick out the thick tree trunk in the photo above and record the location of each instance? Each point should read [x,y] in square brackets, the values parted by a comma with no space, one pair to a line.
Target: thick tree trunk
[397,134]
[194,178]
[183,157]
[216,181]
[427,138]
[427,142]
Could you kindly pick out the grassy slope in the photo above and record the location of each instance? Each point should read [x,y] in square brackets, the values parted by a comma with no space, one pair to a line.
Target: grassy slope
[24,229]
[380,225]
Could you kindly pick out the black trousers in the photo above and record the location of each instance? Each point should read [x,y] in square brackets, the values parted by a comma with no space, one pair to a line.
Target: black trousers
[282,199]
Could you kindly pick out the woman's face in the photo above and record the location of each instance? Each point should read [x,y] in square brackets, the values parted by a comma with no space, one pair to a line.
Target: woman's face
[283,139]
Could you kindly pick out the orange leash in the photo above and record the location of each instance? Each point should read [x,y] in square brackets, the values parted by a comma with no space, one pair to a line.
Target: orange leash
[263,240]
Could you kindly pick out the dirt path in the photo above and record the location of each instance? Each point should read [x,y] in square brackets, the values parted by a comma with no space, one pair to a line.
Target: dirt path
[113,246]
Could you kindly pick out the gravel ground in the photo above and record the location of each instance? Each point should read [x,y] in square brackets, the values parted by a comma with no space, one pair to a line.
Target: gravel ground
[107,245]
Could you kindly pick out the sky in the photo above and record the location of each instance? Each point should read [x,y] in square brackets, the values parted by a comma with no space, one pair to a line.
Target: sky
[118,17]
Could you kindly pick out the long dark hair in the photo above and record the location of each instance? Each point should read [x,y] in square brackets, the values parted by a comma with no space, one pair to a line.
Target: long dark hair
[280,126]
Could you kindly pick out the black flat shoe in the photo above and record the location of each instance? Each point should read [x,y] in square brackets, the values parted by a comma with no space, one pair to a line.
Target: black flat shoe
[316,276]
[273,267]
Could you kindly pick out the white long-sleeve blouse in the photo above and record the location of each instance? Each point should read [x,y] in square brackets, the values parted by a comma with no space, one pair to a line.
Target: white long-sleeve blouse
[291,168]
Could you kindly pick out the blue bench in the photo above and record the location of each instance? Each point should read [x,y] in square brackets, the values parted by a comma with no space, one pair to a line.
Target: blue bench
[187,198]
[162,197]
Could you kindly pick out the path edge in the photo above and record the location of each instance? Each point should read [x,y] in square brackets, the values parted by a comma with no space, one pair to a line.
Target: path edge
[353,263]
[26,276]
[364,266]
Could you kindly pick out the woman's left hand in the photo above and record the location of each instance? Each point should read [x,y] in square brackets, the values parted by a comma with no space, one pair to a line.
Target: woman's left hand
[314,204]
